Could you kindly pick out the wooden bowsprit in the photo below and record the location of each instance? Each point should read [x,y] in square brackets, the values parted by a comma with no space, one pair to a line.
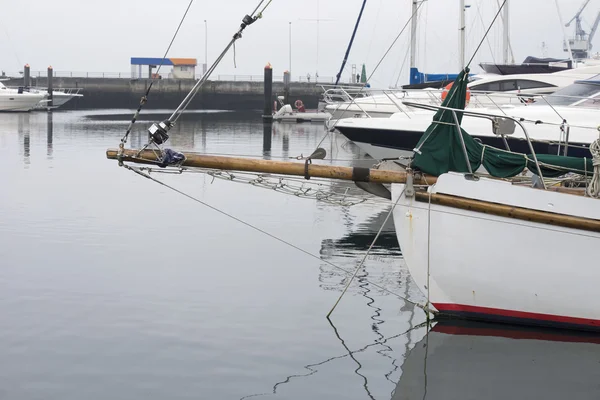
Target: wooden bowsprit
[306,169]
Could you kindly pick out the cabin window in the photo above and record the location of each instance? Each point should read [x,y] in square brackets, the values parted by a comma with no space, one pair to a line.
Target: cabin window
[506,86]
[487,87]
[500,86]
[530,84]
[575,94]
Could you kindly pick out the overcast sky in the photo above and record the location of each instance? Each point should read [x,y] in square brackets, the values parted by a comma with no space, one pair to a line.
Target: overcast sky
[102,36]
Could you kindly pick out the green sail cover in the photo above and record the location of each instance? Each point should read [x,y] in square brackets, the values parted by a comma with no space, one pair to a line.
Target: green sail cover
[440,149]
[363,74]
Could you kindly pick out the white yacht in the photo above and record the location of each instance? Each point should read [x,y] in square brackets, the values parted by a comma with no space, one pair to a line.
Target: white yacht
[19,100]
[59,96]
[577,104]
[485,91]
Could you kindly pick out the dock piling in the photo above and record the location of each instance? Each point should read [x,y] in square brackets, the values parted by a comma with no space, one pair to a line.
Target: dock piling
[286,87]
[268,110]
[26,76]
[50,86]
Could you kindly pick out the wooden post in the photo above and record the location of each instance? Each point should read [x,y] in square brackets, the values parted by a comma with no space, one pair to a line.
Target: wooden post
[50,86]
[268,110]
[26,76]
[357,174]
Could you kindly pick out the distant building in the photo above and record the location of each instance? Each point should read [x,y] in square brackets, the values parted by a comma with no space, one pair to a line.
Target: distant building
[183,68]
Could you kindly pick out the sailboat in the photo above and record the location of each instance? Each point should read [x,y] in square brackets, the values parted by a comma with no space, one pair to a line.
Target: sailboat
[504,248]
[493,249]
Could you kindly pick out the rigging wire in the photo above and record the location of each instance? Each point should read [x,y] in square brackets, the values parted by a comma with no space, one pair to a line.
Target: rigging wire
[158,132]
[414,14]
[367,253]
[402,67]
[487,39]
[197,200]
[144,98]
[248,20]
[11,45]
[486,33]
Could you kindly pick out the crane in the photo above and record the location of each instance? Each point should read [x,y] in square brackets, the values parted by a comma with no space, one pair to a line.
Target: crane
[579,32]
[580,44]
[593,31]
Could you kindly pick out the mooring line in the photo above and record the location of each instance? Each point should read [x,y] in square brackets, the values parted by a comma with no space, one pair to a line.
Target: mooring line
[137,171]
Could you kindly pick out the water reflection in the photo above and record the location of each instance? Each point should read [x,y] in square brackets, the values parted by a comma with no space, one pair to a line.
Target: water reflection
[465,360]
[24,131]
[354,245]
[50,133]
[267,139]
[383,342]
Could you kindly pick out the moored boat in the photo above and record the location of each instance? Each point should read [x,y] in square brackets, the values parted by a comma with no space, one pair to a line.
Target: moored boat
[475,264]
[18,100]
[500,249]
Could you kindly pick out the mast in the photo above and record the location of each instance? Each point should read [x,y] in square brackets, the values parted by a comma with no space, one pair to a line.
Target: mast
[413,35]
[462,35]
[339,75]
[506,36]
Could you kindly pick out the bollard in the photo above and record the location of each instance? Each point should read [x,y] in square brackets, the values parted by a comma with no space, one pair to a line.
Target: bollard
[286,87]
[26,76]
[50,73]
[268,111]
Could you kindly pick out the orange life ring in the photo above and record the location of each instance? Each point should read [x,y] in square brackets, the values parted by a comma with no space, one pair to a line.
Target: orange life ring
[447,89]
[300,105]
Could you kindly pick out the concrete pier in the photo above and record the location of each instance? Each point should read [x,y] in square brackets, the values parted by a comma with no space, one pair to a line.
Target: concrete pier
[168,93]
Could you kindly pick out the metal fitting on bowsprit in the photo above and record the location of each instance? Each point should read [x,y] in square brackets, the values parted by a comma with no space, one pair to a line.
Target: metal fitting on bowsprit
[247,20]
[158,131]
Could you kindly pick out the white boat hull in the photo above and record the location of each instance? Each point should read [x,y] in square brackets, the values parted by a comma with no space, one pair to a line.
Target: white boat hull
[59,98]
[303,117]
[19,101]
[495,268]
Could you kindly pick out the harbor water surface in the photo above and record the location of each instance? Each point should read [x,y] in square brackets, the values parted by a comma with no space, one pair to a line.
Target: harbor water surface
[112,286]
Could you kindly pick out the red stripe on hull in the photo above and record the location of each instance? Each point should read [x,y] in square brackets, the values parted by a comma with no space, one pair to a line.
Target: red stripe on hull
[518,333]
[485,313]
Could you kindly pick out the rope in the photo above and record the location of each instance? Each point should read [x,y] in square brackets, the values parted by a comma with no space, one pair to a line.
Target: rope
[141,173]
[594,187]
[367,253]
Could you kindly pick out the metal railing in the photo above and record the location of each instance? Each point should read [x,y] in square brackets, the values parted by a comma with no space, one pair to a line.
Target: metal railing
[488,116]
[168,75]
[354,97]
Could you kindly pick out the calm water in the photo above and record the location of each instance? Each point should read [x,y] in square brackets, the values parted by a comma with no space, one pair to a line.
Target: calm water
[112,286]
